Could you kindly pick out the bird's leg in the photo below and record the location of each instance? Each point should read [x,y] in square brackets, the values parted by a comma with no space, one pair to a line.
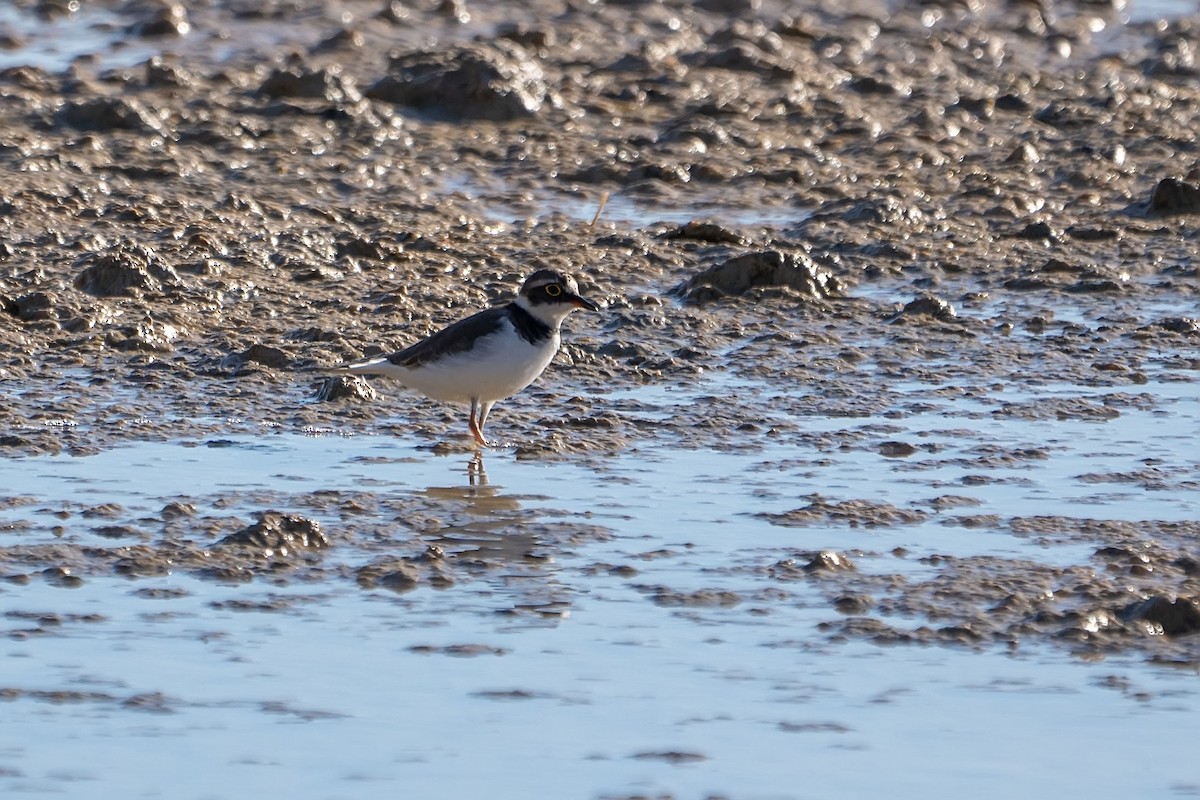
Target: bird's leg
[478,434]
[476,425]
[485,408]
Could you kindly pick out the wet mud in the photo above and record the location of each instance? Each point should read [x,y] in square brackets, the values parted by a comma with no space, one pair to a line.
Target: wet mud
[966,201]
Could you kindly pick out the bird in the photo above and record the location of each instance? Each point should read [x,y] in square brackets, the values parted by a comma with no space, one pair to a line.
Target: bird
[490,355]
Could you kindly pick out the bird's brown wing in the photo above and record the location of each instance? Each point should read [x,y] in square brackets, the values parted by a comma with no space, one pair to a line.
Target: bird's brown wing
[455,338]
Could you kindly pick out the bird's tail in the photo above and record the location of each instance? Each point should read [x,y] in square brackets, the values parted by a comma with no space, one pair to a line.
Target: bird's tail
[379,365]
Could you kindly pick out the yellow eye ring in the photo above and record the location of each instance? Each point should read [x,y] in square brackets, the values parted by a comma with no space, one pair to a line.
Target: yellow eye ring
[553,290]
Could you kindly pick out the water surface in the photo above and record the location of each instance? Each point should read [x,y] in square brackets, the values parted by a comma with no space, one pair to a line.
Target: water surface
[558,675]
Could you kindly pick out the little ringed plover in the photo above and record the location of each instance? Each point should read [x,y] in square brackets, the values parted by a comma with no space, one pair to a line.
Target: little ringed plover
[488,356]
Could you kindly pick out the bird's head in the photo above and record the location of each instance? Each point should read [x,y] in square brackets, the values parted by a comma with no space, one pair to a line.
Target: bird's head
[551,295]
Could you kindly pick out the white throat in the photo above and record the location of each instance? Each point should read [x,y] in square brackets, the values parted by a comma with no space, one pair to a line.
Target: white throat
[551,315]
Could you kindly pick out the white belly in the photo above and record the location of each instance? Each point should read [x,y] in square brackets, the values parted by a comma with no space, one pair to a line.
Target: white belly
[498,366]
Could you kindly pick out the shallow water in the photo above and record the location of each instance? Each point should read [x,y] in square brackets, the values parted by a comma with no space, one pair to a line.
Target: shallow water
[496,199]
[560,676]
[53,43]
[1144,10]
[107,37]
[619,698]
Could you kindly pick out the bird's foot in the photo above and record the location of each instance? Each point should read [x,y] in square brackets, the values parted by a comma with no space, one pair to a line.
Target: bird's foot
[477,432]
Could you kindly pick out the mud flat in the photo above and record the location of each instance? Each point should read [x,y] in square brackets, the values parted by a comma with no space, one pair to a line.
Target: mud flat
[899,348]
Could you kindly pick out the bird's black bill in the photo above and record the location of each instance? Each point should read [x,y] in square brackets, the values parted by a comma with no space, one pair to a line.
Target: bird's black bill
[583,302]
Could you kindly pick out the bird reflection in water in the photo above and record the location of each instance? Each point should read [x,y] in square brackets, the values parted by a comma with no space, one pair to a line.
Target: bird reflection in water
[476,474]
[485,528]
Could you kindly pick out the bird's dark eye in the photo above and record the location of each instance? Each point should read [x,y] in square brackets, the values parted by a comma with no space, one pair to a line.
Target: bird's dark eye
[554,290]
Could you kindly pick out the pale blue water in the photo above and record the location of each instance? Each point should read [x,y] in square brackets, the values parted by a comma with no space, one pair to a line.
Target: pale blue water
[494,198]
[773,716]
[1145,10]
[327,699]
[54,43]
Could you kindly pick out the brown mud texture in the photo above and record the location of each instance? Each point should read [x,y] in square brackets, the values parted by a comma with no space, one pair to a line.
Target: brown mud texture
[834,198]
